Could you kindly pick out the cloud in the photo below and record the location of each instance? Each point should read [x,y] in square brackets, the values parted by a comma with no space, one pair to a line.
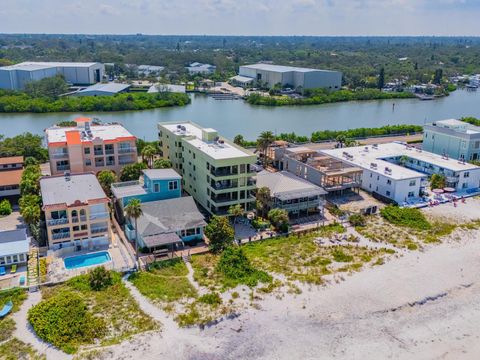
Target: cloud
[270,17]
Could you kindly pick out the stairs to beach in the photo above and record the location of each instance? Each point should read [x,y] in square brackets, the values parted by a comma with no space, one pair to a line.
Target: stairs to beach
[33,275]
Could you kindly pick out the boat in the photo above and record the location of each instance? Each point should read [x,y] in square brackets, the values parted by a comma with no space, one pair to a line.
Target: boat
[6,309]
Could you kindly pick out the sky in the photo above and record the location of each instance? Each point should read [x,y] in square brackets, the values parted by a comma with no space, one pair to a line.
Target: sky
[242,17]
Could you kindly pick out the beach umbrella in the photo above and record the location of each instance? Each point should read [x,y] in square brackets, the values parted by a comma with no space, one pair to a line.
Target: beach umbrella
[449,189]
[437,191]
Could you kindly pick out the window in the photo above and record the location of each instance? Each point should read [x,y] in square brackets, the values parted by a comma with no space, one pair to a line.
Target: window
[378,177]
[411,194]
[388,193]
[371,174]
[88,162]
[172,185]
[83,227]
[389,182]
[190,232]
[156,187]
[86,151]
[194,155]
[208,166]
[466,174]
[464,185]
[412,183]
[76,228]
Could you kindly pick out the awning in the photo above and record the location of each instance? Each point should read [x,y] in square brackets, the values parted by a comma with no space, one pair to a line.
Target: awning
[161,239]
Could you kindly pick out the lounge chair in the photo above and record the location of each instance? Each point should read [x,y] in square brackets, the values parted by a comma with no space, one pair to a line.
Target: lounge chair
[2,270]
[13,270]
[6,309]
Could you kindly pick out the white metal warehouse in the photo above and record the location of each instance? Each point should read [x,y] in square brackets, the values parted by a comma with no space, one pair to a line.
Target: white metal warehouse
[295,77]
[15,77]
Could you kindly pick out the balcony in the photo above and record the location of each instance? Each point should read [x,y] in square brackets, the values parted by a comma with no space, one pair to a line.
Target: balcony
[61,235]
[127,150]
[110,163]
[80,234]
[54,222]
[224,185]
[223,198]
[99,216]
[63,167]
[62,155]
[223,172]
[99,230]
[125,161]
[109,151]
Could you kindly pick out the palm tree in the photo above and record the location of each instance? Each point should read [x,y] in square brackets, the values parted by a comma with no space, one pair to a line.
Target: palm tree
[236,211]
[134,210]
[149,152]
[340,141]
[263,196]
[265,139]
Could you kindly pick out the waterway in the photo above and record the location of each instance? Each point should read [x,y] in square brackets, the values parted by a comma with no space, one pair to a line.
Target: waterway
[231,117]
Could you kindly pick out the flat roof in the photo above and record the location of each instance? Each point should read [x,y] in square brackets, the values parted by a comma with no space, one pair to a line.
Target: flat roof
[241,78]
[282,68]
[193,136]
[58,190]
[105,132]
[364,156]
[457,125]
[31,65]
[161,174]
[14,242]
[129,188]
[108,87]
[285,185]
[11,160]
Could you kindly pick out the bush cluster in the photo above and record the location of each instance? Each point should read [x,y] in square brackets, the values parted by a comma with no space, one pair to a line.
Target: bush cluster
[412,218]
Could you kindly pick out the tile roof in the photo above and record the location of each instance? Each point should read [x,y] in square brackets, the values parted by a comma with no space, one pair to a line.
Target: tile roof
[10,177]
[11,160]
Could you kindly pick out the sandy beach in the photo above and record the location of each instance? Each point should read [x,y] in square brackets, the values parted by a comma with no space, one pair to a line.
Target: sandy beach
[423,305]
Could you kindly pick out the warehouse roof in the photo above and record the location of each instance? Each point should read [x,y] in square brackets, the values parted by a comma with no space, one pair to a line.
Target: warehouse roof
[281,68]
[286,186]
[30,66]
[106,88]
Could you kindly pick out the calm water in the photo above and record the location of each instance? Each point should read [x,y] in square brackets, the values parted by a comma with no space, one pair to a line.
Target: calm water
[231,117]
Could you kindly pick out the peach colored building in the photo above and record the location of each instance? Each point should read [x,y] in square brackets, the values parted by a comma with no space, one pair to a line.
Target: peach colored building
[90,148]
[76,211]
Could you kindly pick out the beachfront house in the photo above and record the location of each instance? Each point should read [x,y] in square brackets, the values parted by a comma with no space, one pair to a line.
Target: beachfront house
[14,247]
[167,224]
[76,212]
[11,169]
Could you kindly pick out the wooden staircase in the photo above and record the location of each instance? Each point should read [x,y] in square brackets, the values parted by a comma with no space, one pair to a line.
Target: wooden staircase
[33,270]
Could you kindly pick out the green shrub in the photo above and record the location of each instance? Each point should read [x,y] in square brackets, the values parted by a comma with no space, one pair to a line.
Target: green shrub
[236,269]
[412,218]
[357,220]
[211,299]
[100,278]
[5,208]
[65,321]
[340,256]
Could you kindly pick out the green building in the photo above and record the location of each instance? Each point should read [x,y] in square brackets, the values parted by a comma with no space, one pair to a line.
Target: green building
[216,172]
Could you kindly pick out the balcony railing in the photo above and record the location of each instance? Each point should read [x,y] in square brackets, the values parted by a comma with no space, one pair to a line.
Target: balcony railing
[220,200]
[109,152]
[110,163]
[61,235]
[54,222]
[126,162]
[220,186]
[80,234]
[60,155]
[98,230]
[127,150]
[63,167]
[99,216]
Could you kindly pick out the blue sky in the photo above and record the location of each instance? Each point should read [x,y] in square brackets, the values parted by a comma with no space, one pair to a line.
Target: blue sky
[243,17]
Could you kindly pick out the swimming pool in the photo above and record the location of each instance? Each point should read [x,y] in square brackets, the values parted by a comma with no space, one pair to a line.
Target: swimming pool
[96,258]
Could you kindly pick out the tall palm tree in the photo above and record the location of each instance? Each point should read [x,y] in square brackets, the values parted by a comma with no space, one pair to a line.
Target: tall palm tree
[235,211]
[340,141]
[149,152]
[134,210]
[263,196]
[265,139]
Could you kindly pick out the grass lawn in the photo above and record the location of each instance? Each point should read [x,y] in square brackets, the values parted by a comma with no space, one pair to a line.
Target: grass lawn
[113,311]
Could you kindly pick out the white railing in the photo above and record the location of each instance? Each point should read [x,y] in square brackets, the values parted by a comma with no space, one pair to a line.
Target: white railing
[98,230]
[60,155]
[99,216]
[127,150]
[53,222]
[62,235]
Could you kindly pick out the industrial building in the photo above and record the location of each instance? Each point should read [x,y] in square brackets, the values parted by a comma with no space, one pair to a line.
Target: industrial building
[15,77]
[398,172]
[216,172]
[454,138]
[288,76]
[199,68]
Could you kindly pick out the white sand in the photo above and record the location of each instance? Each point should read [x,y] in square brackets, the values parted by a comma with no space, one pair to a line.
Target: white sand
[350,320]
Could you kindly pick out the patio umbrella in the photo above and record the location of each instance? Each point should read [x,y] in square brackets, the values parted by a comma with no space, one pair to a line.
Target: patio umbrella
[437,191]
[449,189]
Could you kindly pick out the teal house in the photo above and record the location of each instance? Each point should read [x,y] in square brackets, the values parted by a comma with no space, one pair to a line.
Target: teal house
[157,184]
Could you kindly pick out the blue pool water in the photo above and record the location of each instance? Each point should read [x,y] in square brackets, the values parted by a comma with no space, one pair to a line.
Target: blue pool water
[96,258]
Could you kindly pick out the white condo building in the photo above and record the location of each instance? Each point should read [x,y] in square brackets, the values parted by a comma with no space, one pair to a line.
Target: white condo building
[400,172]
